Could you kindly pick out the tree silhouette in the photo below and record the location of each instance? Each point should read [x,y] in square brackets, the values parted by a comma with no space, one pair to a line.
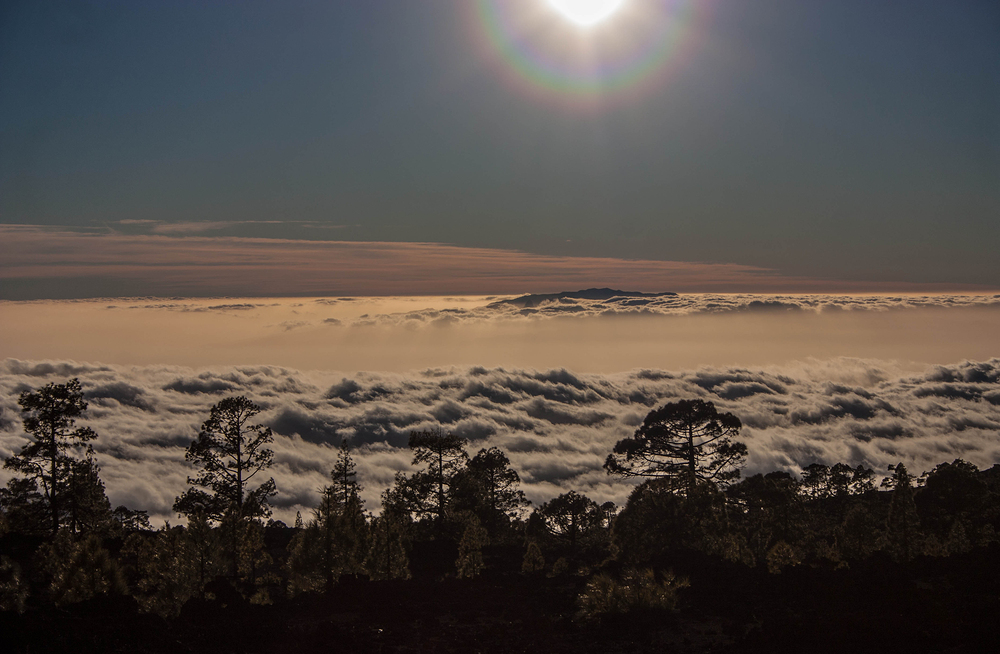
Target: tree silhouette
[127,521]
[902,524]
[334,542]
[77,570]
[387,557]
[488,487]
[768,507]
[24,508]
[205,547]
[230,453]
[656,520]
[166,568]
[533,561]
[571,516]
[49,416]
[344,473]
[839,480]
[13,587]
[425,492]
[816,480]
[470,550]
[952,495]
[87,507]
[684,442]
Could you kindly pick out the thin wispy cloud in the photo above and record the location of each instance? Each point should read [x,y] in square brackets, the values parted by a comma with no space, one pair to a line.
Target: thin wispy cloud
[37,262]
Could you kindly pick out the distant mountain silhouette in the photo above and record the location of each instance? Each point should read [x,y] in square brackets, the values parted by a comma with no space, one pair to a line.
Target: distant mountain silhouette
[528,301]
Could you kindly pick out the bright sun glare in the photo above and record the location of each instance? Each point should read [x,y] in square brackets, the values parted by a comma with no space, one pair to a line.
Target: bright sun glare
[586,12]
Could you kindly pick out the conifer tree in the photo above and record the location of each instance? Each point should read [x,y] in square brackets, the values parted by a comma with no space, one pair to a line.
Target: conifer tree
[87,507]
[51,473]
[344,476]
[488,487]
[470,550]
[334,541]
[533,560]
[165,572]
[903,522]
[230,452]
[205,549]
[684,443]
[815,481]
[426,492]
[13,586]
[387,556]
[78,570]
[571,516]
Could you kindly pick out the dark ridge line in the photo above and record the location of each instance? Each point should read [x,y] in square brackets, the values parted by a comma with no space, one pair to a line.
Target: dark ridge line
[533,300]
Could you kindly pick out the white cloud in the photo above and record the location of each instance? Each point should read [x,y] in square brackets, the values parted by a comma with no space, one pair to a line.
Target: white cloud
[556,425]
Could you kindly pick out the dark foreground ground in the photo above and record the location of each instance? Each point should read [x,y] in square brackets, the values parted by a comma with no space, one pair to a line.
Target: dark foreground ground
[931,605]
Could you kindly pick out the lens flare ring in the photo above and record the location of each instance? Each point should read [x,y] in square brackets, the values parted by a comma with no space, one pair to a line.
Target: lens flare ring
[631,52]
[586,12]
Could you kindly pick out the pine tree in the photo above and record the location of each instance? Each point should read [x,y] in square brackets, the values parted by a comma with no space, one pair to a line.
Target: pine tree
[488,486]
[230,453]
[126,521]
[13,586]
[206,552]
[426,492]
[387,557]
[49,415]
[815,481]
[253,561]
[571,516]
[470,550]
[533,560]
[684,443]
[335,541]
[166,575]
[87,507]
[903,522]
[79,570]
[344,475]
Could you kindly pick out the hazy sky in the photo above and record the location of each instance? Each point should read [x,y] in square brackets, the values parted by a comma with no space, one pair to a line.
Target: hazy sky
[592,336]
[823,140]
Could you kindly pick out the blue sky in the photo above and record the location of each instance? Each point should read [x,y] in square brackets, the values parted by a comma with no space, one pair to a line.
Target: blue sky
[844,140]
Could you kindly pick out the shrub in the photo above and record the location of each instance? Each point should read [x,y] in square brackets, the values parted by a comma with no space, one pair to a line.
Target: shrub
[13,587]
[638,590]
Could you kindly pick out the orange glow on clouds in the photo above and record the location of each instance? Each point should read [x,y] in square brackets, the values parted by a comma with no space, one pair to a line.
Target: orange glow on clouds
[151,265]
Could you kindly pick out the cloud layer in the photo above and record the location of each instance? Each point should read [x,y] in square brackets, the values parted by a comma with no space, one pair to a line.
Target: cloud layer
[607,333]
[557,425]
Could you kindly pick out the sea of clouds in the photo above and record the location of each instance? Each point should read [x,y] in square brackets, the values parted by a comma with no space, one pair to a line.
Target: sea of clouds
[596,303]
[556,425]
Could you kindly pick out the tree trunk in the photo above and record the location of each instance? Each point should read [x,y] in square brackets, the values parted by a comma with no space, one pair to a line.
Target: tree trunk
[692,475]
[52,484]
[440,506]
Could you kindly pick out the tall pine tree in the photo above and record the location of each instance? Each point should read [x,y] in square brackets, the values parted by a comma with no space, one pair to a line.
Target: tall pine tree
[67,487]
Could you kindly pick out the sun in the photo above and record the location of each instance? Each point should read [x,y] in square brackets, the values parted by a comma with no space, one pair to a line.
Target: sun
[586,12]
